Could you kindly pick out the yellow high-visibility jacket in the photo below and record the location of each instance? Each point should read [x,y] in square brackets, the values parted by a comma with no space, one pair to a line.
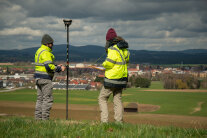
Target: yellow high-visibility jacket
[44,66]
[116,73]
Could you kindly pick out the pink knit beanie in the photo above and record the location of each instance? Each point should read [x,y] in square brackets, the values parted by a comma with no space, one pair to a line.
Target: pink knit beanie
[111,34]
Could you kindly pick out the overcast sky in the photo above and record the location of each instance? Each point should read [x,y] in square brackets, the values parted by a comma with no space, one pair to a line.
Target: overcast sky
[146,24]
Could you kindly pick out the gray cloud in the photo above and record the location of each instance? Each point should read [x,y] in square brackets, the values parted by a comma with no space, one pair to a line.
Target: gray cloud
[150,25]
[116,9]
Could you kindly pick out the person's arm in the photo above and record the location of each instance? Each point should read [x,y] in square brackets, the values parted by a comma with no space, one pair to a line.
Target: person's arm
[127,53]
[110,59]
[49,65]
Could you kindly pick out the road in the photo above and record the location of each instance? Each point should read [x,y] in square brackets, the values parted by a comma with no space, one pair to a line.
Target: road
[12,90]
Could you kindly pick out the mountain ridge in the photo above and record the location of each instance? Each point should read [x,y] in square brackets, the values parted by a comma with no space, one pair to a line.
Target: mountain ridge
[91,53]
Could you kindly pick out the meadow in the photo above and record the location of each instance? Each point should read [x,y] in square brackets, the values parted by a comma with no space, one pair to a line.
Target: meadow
[173,119]
[170,102]
[27,127]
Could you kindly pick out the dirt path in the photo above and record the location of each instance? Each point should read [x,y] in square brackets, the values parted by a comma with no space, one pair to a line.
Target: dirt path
[91,112]
[12,90]
[198,108]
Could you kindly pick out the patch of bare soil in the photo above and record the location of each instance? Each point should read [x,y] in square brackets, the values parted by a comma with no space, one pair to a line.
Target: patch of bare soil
[148,107]
[92,112]
[141,107]
[176,90]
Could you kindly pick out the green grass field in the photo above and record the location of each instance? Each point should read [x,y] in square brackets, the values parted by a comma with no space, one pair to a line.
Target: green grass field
[176,103]
[156,85]
[17,127]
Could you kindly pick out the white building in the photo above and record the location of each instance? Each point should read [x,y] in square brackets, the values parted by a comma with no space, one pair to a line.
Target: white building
[80,65]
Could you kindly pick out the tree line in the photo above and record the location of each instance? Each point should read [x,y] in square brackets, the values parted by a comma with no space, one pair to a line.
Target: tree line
[169,81]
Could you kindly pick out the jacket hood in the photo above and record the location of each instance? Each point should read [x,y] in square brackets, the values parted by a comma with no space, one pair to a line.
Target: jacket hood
[122,44]
[119,41]
[46,47]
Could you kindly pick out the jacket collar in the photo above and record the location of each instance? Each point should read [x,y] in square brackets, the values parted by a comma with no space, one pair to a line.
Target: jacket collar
[46,48]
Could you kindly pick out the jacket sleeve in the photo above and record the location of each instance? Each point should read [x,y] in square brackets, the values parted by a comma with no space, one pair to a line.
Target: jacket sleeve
[110,59]
[48,61]
[127,54]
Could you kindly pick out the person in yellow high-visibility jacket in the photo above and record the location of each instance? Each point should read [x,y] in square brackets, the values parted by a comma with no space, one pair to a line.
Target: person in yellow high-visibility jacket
[44,72]
[116,75]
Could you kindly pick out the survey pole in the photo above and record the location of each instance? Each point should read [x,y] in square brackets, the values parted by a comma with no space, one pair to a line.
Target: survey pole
[67,23]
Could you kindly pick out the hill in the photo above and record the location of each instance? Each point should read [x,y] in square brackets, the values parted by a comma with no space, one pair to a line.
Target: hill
[91,53]
[28,127]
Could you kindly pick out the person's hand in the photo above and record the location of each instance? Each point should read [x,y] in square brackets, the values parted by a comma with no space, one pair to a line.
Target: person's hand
[63,68]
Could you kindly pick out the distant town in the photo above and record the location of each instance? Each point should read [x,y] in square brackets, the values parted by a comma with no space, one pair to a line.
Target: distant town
[85,76]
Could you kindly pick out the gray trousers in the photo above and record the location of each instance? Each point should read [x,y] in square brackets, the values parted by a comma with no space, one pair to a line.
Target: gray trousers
[118,108]
[44,99]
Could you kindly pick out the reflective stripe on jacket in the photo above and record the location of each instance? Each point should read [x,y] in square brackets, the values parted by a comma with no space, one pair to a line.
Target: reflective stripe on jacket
[115,65]
[44,66]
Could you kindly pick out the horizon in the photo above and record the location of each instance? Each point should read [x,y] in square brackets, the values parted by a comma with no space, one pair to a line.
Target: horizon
[103,47]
